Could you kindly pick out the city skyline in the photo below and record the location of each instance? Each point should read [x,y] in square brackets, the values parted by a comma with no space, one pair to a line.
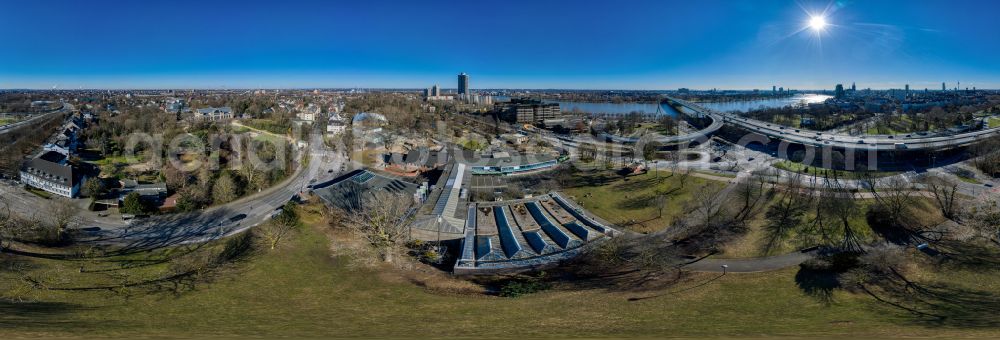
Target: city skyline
[632,46]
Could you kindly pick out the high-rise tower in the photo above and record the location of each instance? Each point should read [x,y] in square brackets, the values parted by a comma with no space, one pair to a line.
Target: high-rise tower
[463,83]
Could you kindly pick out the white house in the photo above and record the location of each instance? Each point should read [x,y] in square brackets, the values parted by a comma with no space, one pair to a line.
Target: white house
[50,172]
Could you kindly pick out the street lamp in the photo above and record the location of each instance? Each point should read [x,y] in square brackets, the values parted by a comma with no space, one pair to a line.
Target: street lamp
[724,268]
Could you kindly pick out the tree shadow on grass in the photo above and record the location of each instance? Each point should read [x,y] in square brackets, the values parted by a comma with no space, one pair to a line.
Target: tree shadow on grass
[634,201]
[818,284]
[39,316]
[939,305]
[968,255]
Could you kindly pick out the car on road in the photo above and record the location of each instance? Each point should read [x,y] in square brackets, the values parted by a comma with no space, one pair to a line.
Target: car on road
[237,217]
[988,185]
[862,141]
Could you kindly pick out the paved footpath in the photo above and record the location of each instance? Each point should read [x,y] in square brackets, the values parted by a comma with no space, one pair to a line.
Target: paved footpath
[750,265]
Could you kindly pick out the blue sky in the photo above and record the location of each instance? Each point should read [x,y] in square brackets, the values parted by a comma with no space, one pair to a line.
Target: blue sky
[502,44]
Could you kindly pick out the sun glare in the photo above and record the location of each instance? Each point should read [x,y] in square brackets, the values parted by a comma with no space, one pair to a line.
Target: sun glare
[817,22]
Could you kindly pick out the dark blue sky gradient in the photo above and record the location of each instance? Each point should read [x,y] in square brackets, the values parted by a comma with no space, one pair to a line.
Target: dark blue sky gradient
[524,44]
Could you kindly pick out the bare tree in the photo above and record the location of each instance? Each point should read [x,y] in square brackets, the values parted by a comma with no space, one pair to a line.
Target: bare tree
[986,220]
[382,218]
[6,222]
[841,205]
[708,204]
[63,217]
[892,194]
[751,193]
[945,196]
[786,213]
[661,203]
[277,228]
[224,190]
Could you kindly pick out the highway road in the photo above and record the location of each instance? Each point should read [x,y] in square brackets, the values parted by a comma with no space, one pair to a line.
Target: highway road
[822,139]
[35,118]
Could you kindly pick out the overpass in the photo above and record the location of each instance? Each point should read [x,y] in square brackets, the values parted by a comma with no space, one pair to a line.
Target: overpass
[910,142]
[700,135]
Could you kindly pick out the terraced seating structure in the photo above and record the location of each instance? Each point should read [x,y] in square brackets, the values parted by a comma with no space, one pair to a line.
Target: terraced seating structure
[495,244]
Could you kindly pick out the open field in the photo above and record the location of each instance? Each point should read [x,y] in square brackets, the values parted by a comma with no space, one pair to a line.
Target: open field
[300,290]
[622,201]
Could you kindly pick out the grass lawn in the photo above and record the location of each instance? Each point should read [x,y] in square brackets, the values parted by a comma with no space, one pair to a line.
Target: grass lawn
[967,179]
[619,201]
[300,290]
[39,192]
[269,138]
[117,160]
[994,122]
[807,169]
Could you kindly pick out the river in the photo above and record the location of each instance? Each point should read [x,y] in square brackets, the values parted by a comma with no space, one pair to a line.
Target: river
[743,106]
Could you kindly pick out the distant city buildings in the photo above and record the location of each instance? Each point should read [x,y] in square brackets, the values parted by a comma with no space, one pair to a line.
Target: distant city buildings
[434,93]
[839,91]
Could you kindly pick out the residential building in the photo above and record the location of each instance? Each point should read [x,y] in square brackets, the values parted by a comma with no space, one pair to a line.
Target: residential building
[215,113]
[336,127]
[154,193]
[51,172]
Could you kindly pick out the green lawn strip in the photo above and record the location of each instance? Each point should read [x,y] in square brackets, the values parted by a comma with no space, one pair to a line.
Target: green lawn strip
[39,192]
[810,170]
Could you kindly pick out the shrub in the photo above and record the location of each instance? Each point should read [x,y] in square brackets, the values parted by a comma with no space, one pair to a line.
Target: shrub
[524,286]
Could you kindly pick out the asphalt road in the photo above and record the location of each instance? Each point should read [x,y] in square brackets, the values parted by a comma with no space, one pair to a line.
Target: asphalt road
[10,127]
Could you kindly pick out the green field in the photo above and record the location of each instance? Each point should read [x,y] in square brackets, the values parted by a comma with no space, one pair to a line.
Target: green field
[621,201]
[994,122]
[806,169]
[301,290]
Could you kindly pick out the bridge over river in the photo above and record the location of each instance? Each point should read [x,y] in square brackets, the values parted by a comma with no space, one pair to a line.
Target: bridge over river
[914,142]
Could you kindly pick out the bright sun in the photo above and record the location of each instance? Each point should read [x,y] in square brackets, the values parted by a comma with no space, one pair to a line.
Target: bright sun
[817,22]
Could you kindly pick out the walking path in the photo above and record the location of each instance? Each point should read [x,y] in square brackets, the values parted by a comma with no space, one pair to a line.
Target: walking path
[749,265]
